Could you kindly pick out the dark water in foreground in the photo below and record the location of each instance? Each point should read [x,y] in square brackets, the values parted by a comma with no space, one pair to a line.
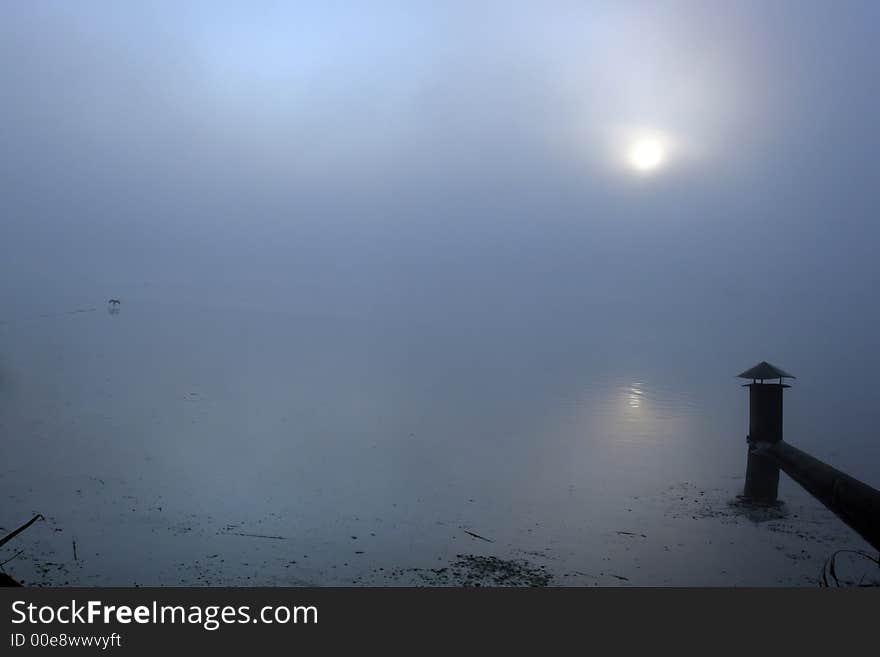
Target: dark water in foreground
[195,445]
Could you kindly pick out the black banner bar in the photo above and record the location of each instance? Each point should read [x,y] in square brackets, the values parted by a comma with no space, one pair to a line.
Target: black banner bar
[149,620]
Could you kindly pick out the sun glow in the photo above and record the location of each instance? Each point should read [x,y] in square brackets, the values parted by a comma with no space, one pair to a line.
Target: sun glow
[646,155]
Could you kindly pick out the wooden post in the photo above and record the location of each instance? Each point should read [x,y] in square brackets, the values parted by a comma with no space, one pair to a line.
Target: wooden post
[765,426]
[854,502]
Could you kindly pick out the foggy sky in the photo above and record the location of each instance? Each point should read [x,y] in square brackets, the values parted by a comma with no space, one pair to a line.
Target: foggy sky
[436,159]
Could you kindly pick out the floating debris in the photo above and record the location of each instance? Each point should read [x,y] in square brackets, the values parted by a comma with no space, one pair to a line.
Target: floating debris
[474,571]
[477,570]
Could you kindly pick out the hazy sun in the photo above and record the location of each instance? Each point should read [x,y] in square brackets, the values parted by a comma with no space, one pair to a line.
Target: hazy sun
[646,154]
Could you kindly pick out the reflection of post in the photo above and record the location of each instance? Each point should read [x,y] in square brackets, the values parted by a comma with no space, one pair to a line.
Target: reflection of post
[765,428]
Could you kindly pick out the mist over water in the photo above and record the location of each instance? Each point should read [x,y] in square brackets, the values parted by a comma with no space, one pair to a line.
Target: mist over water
[384,276]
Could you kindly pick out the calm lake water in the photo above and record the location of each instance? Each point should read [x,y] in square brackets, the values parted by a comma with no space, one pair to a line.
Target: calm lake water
[191,444]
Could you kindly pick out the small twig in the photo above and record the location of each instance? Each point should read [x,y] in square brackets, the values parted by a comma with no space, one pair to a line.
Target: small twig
[482,538]
[9,537]
[279,538]
[74,550]
[14,556]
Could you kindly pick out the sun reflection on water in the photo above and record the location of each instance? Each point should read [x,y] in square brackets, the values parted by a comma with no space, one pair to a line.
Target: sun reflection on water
[634,395]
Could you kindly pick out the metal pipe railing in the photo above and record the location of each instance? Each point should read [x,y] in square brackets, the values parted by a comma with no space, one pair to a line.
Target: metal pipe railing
[854,502]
